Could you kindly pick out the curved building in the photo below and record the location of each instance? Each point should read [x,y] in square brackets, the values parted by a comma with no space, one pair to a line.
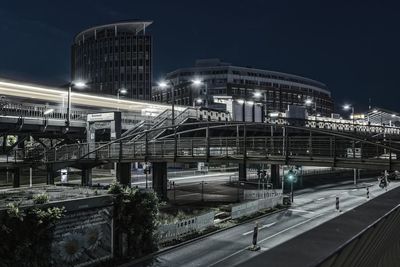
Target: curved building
[221,80]
[113,57]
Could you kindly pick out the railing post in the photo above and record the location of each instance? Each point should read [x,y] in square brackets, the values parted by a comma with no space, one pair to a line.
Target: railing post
[334,151]
[146,147]
[207,142]
[191,146]
[310,147]
[226,147]
[175,144]
[244,144]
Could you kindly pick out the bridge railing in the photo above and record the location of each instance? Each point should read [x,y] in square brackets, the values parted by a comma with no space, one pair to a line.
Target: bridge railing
[329,147]
[19,110]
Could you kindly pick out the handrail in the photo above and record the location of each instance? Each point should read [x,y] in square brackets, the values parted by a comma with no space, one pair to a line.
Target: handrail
[216,125]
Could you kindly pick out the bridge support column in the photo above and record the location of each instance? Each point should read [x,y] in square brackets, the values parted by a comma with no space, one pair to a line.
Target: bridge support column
[160,181]
[51,174]
[242,172]
[275,177]
[86,178]
[124,173]
[17,176]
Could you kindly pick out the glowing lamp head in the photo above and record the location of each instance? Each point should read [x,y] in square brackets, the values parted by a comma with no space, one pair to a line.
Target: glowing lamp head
[79,84]
[308,101]
[346,107]
[199,101]
[163,84]
[257,94]
[197,82]
[123,91]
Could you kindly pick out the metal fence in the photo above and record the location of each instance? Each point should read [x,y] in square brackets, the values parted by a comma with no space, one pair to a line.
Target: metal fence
[174,231]
[249,194]
[252,207]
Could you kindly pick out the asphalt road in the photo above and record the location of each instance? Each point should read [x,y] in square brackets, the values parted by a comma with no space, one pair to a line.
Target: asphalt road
[230,247]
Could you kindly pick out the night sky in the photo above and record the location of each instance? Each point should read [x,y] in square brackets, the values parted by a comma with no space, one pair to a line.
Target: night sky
[352,46]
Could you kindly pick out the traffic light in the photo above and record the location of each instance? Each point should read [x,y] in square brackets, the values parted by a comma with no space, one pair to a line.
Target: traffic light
[291,176]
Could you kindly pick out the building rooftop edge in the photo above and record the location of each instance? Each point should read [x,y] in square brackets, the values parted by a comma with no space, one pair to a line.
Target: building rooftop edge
[143,23]
[247,68]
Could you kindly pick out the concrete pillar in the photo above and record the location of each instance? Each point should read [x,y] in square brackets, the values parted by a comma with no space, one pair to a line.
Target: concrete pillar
[275,179]
[86,178]
[17,176]
[242,172]
[124,173]
[160,181]
[51,174]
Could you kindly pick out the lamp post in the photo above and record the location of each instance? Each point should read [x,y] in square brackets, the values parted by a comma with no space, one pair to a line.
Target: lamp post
[350,107]
[257,96]
[165,85]
[309,102]
[78,84]
[121,91]
[198,82]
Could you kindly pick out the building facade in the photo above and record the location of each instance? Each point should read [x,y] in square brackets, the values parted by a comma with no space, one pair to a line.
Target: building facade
[114,58]
[275,90]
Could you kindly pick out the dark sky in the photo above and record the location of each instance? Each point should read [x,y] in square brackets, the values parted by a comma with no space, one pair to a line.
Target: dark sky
[352,46]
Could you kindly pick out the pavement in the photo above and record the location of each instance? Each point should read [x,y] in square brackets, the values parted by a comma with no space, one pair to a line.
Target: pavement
[230,247]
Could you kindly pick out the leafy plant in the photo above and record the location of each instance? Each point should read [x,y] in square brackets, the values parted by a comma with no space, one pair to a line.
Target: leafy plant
[137,217]
[41,198]
[26,235]
[115,188]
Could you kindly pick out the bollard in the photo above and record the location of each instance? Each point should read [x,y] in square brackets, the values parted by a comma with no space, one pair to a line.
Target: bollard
[337,203]
[367,192]
[255,247]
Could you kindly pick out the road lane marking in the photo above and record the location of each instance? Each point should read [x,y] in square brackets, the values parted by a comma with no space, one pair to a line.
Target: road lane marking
[291,227]
[280,232]
[322,198]
[354,190]
[304,211]
[259,228]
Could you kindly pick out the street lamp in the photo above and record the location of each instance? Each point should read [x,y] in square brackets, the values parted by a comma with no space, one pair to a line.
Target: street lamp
[258,96]
[198,101]
[197,83]
[349,107]
[121,91]
[77,84]
[309,102]
[165,84]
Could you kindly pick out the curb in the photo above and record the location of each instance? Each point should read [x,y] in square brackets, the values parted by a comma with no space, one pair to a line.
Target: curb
[187,242]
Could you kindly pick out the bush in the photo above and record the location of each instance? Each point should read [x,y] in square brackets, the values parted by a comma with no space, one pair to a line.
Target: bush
[41,198]
[136,216]
[115,188]
[26,235]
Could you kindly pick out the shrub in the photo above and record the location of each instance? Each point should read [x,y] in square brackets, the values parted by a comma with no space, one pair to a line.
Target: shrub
[115,188]
[41,198]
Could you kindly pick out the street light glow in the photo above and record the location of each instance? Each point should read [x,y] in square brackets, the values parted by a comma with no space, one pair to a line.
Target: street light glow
[250,102]
[346,107]
[197,82]
[162,84]
[257,94]
[308,101]
[375,111]
[123,91]
[240,101]
[79,84]
[199,101]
